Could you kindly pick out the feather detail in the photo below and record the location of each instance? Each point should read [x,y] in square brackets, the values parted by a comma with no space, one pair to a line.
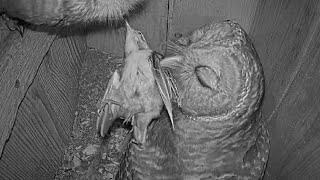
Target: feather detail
[162,83]
[66,12]
[219,132]
[110,105]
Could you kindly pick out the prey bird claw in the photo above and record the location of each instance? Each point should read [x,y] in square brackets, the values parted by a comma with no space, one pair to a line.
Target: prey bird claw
[131,115]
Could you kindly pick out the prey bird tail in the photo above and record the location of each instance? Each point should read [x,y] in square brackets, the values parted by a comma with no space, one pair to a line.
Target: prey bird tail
[162,83]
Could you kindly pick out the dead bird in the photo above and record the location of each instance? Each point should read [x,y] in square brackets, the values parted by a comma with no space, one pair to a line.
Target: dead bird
[139,95]
[219,133]
[66,12]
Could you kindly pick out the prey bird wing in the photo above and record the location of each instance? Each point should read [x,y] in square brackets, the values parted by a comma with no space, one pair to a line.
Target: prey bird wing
[108,103]
[162,82]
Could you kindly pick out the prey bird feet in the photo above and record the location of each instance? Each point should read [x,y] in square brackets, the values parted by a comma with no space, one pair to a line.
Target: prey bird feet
[131,116]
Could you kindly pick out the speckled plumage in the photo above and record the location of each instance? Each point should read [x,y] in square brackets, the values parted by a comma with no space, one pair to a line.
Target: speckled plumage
[219,132]
[65,12]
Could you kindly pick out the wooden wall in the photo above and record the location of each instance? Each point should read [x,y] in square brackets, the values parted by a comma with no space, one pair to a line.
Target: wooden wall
[287,37]
[41,128]
[160,20]
[18,66]
[151,21]
[187,15]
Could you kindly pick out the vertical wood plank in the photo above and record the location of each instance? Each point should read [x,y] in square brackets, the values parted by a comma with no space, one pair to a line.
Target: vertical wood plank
[4,31]
[295,152]
[286,36]
[59,79]
[46,114]
[188,15]
[151,21]
[280,31]
[34,141]
[20,59]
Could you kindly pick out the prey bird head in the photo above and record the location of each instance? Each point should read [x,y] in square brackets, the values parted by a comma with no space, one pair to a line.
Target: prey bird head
[135,40]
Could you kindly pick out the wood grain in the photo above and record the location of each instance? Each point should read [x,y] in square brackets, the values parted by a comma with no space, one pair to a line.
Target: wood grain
[188,15]
[150,20]
[295,152]
[45,116]
[20,59]
[59,79]
[286,36]
[35,145]
[160,20]
[280,31]
[4,31]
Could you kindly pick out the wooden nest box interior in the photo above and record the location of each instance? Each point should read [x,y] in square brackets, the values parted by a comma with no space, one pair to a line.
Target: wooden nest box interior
[40,72]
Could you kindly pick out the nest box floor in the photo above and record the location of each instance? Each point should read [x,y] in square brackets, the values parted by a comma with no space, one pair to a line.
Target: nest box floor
[88,156]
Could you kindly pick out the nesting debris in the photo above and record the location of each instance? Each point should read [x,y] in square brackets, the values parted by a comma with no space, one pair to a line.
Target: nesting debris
[87,156]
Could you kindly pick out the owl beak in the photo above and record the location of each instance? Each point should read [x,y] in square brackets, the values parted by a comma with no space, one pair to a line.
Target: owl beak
[170,62]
